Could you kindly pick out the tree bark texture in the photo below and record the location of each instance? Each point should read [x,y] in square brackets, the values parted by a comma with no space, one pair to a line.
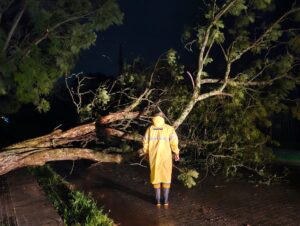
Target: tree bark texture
[55,146]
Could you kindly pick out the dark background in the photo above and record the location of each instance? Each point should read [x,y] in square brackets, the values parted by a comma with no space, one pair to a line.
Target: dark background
[149,29]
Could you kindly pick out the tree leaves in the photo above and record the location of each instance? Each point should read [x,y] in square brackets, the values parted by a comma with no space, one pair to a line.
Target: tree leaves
[46,45]
[294,44]
[102,97]
[172,57]
[238,7]
[188,178]
[262,4]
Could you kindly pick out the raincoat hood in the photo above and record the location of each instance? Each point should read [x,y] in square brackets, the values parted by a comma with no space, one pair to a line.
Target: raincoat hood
[158,121]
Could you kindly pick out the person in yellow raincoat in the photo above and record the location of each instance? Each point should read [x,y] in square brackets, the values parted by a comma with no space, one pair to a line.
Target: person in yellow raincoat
[160,141]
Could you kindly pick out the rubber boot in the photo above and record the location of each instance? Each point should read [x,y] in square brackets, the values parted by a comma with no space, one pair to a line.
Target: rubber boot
[166,192]
[157,196]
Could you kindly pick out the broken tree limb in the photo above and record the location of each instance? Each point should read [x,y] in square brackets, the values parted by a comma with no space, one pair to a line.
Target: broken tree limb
[54,139]
[117,116]
[42,156]
[56,145]
[123,135]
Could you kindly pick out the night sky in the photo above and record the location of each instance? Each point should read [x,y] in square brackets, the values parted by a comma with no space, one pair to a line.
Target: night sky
[149,29]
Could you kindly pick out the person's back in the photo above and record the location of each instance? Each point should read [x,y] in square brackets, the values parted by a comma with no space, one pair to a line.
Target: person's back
[159,142]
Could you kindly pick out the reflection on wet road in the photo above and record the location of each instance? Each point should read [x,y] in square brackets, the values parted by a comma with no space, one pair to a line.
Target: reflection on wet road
[127,196]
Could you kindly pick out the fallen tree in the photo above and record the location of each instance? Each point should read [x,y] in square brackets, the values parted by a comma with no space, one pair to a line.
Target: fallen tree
[221,112]
[54,146]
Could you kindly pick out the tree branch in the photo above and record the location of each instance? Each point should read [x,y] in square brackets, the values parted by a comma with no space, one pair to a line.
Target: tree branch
[13,28]
[247,83]
[213,93]
[224,9]
[123,135]
[54,27]
[146,93]
[40,157]
[117,116]
[201,59]
[226,78]
[192,80]
[260,39]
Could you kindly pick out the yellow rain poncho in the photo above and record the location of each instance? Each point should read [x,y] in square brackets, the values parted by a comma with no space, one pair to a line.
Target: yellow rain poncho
[159,142]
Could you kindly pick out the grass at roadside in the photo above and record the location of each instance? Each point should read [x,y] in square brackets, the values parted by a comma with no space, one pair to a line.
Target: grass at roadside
[74,207]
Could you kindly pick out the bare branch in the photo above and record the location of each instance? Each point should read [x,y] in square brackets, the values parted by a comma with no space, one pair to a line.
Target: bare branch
[145,94]
[78,105]
[13,28]
[188,46]
[201,57]
[224,9]
[213,93]
[209,48]
[224,52]
[191,77]
[226,78]
[248,83]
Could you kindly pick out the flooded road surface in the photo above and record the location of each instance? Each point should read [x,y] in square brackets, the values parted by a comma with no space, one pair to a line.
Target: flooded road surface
[127,196]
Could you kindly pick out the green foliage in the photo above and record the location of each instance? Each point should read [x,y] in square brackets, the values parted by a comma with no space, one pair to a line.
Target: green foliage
[241,42]
[296,111]
[172,57]
[200,34]
[100,101]
[294,44]
[284,64]
[102,96]
[238,7]
[85,209]
[208,60]
[43,105]
[297,17]
[86,112]
[218,35]
[176,69]
[187,34]
[47,43]
[235,131]
[188,177]
[245,20]
[75,207]
[262,4]
[126,148]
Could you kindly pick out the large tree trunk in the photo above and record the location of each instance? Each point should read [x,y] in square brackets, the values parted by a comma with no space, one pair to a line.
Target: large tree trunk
[39,157]
[56,145]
